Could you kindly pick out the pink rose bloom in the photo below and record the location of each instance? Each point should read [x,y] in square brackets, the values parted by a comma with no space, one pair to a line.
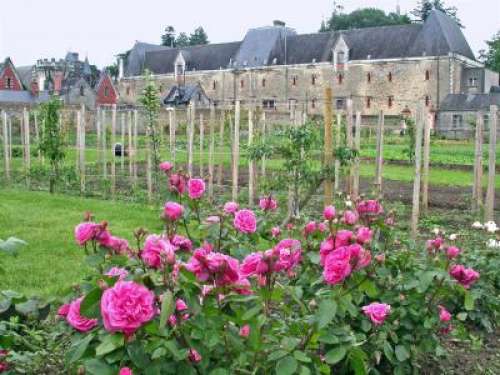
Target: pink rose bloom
[157,251]
[180,305]
[194,356]
[243,286]
[360,258]
[444,315]
[181,242]
[337,266]
[77,321]
[364,235]
[126,370]
[245,331]
[275,232]
[289,226]
[268,204]
[289,254]
[245,222]
[196,188]
[177,183]
[377,312]
[464,276]
[369,208]
[380,258]
[452,252]
[310,228]
[173,211]
[326,247]
[85,232]
[122,273]
[166,166]
[343,238]
[211,220]
[435,244]
[329,213]
[350,217]
[63,309]
[322,227]
[118,245]
[231,207]
[126,307]
[254,264]
[221,268]
[4,366]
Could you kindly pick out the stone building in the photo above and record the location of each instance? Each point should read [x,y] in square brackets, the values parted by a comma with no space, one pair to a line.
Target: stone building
[380,68]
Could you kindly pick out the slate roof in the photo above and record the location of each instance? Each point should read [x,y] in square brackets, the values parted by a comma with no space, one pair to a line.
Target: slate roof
[22,97]
[179,95]
[469,102]
[134,61]
[304,48]
[25,75]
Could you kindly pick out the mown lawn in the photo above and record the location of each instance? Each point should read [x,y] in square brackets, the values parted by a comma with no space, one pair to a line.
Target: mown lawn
[52,261]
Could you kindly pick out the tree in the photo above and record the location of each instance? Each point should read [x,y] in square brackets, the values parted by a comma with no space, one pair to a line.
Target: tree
[491,57]
[424,8]
[360,18]
[52,139]
[198,37]
[168,39]
[112,70]
[182,40]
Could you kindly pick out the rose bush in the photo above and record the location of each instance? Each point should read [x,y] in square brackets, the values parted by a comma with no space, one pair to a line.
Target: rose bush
[236,294]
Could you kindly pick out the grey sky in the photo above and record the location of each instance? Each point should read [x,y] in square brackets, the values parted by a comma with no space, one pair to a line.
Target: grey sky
[30,29]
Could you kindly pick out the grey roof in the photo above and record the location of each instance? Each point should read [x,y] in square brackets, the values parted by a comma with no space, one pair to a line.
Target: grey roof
[134,61]
[495,89]
[25,75]
[304,48]
[469,102]
[183,94]
[22,97]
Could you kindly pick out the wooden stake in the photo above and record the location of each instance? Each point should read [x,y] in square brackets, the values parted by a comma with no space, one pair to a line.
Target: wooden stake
[477,189]
[211,149]
[81,149]
[130,145]
[6,148]
[380,154]
[337,130]
[357,147]
[113,156]
[202,136]
[263,130]
[251,163]
[236,150]
[135,140]
[418,164]
[190,136]
[122,131]
[220,172]
[104,148]
[328,157]
[27,151]
[149,165]
[426,161]
[349,141]
[37,136]
[490,193]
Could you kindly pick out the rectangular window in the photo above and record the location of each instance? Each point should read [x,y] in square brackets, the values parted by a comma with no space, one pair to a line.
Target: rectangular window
[389,77]
[390,101]
[106,91]
[472,81]
[313,79]
[263,82]
[242,83]
[269,104]
[457,121]
[368,101]
[8,83]
[340,78]
[340,103]
[214,85]
[294,81]
[486,122]
[313,103]
[369,77]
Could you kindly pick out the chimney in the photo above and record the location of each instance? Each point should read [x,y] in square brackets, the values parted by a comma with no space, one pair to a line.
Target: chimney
[34,88]
[278,23]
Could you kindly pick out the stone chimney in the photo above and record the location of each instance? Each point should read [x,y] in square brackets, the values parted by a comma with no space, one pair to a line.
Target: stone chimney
[278,23]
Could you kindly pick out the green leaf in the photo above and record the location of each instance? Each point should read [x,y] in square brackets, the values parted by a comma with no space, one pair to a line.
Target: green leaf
[462,316]
[98,367]
[388,351]
[167,307]
[5,304]
[109,344]
[301,356]
[335,355]
[78,348]
[276,355]
[249,314]
[219,371]
[326,312]
[138,355]
[401,353]
[27,308]
[357,361]
[286,366]
[90,306]
[468,301]
[369,288]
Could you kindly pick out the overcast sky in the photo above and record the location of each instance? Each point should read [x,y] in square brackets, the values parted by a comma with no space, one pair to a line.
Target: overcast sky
[31,29]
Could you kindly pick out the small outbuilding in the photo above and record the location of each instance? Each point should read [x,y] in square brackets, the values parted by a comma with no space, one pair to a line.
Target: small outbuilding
[183,95]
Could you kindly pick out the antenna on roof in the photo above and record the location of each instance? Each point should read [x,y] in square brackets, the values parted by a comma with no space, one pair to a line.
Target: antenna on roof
[398,8]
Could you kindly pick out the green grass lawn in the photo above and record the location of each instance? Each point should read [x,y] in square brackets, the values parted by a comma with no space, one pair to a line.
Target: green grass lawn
[52,261]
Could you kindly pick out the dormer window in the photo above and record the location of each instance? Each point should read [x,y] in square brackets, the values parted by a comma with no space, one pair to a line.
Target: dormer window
[82,90]
[472,81]
[106,91]
[179,69]
[340,57]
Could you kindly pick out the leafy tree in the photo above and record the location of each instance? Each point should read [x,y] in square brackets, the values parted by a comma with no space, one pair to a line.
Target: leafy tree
[52,139]
[182,40]
[198,37]
[360,18]
[112,70]
[491,57]
[168,39]
[424,8]
[150,99]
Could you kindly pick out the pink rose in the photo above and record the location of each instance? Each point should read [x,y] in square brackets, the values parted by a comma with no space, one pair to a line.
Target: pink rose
[364,235]
[166,166]
[380,258]
[268,204]
[158,251]
[209,265]
[329,213]
[180,305]
[464,276]
[77,321]
[275,232]
[245,222]
[435,244]
[452,252]
[181,242]
[196,188]
[118,245]
[322,227]
[369,208]
[350,217]
[177,183]
[288,253]
[122,273]
[310,228]
[245,331]
[85,232]
[173,211]
[63,310]
[254,264]
[126,307]
[194,356]
[360,258]
[377,312]
[126,370]
[444,315]
[231,207]
[343,238]
[337,266]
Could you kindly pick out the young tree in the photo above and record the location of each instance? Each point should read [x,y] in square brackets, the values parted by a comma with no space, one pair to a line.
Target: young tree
[182,40]
[112,70]
[360,18]
[424,8]
[52,139]
[491,57]
[150,99]
[168,39]
[199,36]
